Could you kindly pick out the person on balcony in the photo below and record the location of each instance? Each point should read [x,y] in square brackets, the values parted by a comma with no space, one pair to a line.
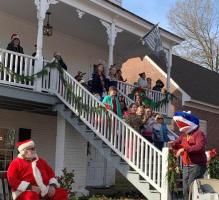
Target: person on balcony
[160,132]
[123,104]
[149,82]
[58,58]
[99,84]
[142,81]
[31,178]
[190,145]
[112,100]
[158,86]
[15,44]
[119,76]
[138,100]
[112,76]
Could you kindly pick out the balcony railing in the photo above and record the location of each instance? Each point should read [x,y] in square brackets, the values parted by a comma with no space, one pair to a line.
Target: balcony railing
[19,63]
[156,96]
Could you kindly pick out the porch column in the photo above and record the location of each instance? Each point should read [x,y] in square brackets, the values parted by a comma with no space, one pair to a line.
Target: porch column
[60,145]
[112,31]
[169,65]
[42,7]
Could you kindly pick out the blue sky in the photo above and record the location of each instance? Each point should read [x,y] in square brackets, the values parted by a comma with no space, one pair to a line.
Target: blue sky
[152,10]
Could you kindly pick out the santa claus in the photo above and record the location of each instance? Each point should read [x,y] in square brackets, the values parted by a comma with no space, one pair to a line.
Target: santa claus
[31,178]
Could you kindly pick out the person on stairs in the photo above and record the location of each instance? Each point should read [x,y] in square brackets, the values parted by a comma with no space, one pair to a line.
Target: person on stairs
[31,178]
[112,100]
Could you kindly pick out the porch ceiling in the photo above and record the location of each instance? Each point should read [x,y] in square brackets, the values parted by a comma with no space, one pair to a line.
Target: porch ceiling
[27,106]
[21,99]
[65,19]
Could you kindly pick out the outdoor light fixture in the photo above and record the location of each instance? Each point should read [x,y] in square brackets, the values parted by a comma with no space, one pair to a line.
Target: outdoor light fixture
[47,29]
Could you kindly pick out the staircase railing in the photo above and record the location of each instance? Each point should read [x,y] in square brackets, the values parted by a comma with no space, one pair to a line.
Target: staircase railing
[156,96]
[21,64]
[140,154]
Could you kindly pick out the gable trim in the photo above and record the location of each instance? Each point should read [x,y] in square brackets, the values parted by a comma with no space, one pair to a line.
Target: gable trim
[185,96]
[202,106]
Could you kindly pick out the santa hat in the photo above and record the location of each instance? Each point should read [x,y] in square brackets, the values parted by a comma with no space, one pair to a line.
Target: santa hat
[25,144]
[15,36]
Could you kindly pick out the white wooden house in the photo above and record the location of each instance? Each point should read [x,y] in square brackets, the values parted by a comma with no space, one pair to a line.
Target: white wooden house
[84,32]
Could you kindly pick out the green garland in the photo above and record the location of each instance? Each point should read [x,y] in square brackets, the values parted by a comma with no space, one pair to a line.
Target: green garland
[173,172]
[213,168]
[69,90]
[168,97]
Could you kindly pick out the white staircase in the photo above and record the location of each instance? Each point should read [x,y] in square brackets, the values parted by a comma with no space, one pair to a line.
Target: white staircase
[137,159]
[116,140]
[133,177]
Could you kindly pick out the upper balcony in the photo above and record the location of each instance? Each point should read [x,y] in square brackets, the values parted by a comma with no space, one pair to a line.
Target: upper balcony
[25,66]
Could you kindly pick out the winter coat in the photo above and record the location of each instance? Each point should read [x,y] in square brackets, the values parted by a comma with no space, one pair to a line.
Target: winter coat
[108,100]
[17,49]
[160,133]
[97,87]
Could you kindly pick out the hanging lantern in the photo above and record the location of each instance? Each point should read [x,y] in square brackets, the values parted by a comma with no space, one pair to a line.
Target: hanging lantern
[47,29]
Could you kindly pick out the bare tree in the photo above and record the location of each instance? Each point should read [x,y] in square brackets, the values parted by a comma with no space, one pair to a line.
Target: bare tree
[197,21]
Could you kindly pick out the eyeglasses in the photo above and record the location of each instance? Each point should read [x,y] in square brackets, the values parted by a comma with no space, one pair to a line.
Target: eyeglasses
[159,118]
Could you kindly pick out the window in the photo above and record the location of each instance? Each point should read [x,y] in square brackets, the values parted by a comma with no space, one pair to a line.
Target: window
[7,139]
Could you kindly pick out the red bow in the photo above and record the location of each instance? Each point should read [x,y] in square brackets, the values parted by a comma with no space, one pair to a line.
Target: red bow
[107,106]
[212,153]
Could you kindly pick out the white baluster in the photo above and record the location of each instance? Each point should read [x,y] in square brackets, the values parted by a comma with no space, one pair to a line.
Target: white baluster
[165,191]
[142,153]
[154,165]
[133,142]
[16,66]
[150,161]
[10,66]
[138,150]
[158,170]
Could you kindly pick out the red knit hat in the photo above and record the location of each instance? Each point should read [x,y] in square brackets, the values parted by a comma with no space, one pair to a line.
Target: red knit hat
[15,36]
[25,144]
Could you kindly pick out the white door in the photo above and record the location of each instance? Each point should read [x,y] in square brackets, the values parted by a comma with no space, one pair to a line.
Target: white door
[95,168]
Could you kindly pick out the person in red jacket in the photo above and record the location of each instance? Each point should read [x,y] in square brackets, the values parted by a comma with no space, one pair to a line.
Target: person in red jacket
[191,146]
[31,178]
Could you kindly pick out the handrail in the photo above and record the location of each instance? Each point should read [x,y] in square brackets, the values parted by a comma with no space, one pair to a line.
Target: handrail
[156,96]
[140,154]
[16,53]
[122,84]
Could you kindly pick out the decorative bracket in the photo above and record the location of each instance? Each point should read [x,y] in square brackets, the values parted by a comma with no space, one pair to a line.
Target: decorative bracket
[111,31]
[42,7]
[80,13]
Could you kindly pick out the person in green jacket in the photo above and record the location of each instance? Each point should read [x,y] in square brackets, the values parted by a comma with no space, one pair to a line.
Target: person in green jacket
[112,100]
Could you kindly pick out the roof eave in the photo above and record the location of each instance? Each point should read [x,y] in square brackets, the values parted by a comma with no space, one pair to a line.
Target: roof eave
[175,38]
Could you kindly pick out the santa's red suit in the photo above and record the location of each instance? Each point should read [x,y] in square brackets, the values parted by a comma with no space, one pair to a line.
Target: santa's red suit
[22,173]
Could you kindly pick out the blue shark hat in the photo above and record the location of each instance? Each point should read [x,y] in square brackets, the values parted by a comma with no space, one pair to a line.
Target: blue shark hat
[186,121]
